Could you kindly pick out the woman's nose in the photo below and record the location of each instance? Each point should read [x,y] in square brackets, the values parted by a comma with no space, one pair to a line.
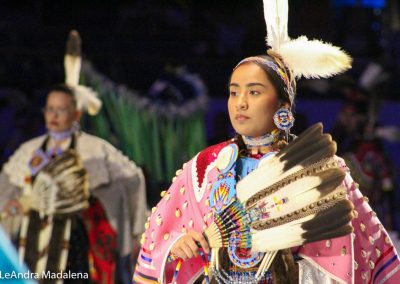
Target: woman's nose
[242,102]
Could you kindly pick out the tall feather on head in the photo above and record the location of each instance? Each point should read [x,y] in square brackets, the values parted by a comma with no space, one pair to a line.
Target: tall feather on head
[304,57]
[86,98]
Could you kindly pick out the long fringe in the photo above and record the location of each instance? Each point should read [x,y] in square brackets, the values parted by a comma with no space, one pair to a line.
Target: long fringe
[284,269]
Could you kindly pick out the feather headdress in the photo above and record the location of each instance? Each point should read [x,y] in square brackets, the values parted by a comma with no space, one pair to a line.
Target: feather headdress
[86,98]
[307,58]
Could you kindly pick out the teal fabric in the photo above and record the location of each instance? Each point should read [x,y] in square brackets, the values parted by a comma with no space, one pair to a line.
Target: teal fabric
[10,265]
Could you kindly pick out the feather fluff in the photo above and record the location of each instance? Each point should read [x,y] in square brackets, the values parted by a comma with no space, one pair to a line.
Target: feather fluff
[276,20]
[313,58]
[87,99]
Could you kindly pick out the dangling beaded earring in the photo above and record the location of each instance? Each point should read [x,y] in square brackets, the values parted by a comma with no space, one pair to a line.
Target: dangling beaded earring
[76,126]
[284,120]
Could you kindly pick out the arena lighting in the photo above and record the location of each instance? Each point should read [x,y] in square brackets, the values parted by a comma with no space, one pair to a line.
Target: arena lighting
[376,4]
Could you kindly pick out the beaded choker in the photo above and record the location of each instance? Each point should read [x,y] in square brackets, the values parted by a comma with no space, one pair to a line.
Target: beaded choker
[262,141]
[59,136]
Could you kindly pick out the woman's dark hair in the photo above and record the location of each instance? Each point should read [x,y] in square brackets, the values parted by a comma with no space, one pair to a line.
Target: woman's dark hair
[277,81]
[63,88]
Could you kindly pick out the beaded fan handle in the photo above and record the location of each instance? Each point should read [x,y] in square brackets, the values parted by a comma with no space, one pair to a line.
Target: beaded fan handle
[205,268]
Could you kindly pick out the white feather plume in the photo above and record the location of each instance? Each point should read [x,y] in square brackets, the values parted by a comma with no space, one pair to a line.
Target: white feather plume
[308,58]
[313,58]
[276,20]
[72,67]
[87,99]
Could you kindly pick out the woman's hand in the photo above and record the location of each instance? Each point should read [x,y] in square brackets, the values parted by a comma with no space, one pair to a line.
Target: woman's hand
[186,247]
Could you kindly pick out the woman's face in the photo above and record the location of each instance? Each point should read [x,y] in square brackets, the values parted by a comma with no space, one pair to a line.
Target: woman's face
[252,102]
[60,112]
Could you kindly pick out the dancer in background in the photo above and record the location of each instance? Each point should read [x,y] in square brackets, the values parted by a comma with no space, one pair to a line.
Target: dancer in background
[71,200]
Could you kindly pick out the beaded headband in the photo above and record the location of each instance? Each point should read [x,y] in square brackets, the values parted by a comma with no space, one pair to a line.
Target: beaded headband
[275,68]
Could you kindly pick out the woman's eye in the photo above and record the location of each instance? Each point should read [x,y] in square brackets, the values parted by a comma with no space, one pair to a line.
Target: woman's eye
[232,93]
[253,92]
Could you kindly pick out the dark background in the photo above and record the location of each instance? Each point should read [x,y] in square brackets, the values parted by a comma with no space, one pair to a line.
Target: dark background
[131,42]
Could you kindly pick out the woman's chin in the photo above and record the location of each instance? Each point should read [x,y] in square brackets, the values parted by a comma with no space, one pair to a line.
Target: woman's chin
[247,133]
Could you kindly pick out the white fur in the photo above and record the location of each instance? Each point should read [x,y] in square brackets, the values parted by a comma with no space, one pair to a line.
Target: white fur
[87,99]
[313,58]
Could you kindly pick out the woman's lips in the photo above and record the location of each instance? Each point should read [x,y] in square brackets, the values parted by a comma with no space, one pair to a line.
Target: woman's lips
[54,123]
[241,117]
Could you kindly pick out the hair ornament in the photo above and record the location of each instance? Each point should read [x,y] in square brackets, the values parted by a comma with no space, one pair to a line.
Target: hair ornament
[304,57]
[86,98]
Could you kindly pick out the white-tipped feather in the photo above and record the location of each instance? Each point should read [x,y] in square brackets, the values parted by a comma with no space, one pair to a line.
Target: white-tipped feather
[293,198]
[280,237]
[303,191]
[259,179]
[314,59]
[87,99]
[276,20]
[299,181]
[72,67]
[309,148]
[296,233]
